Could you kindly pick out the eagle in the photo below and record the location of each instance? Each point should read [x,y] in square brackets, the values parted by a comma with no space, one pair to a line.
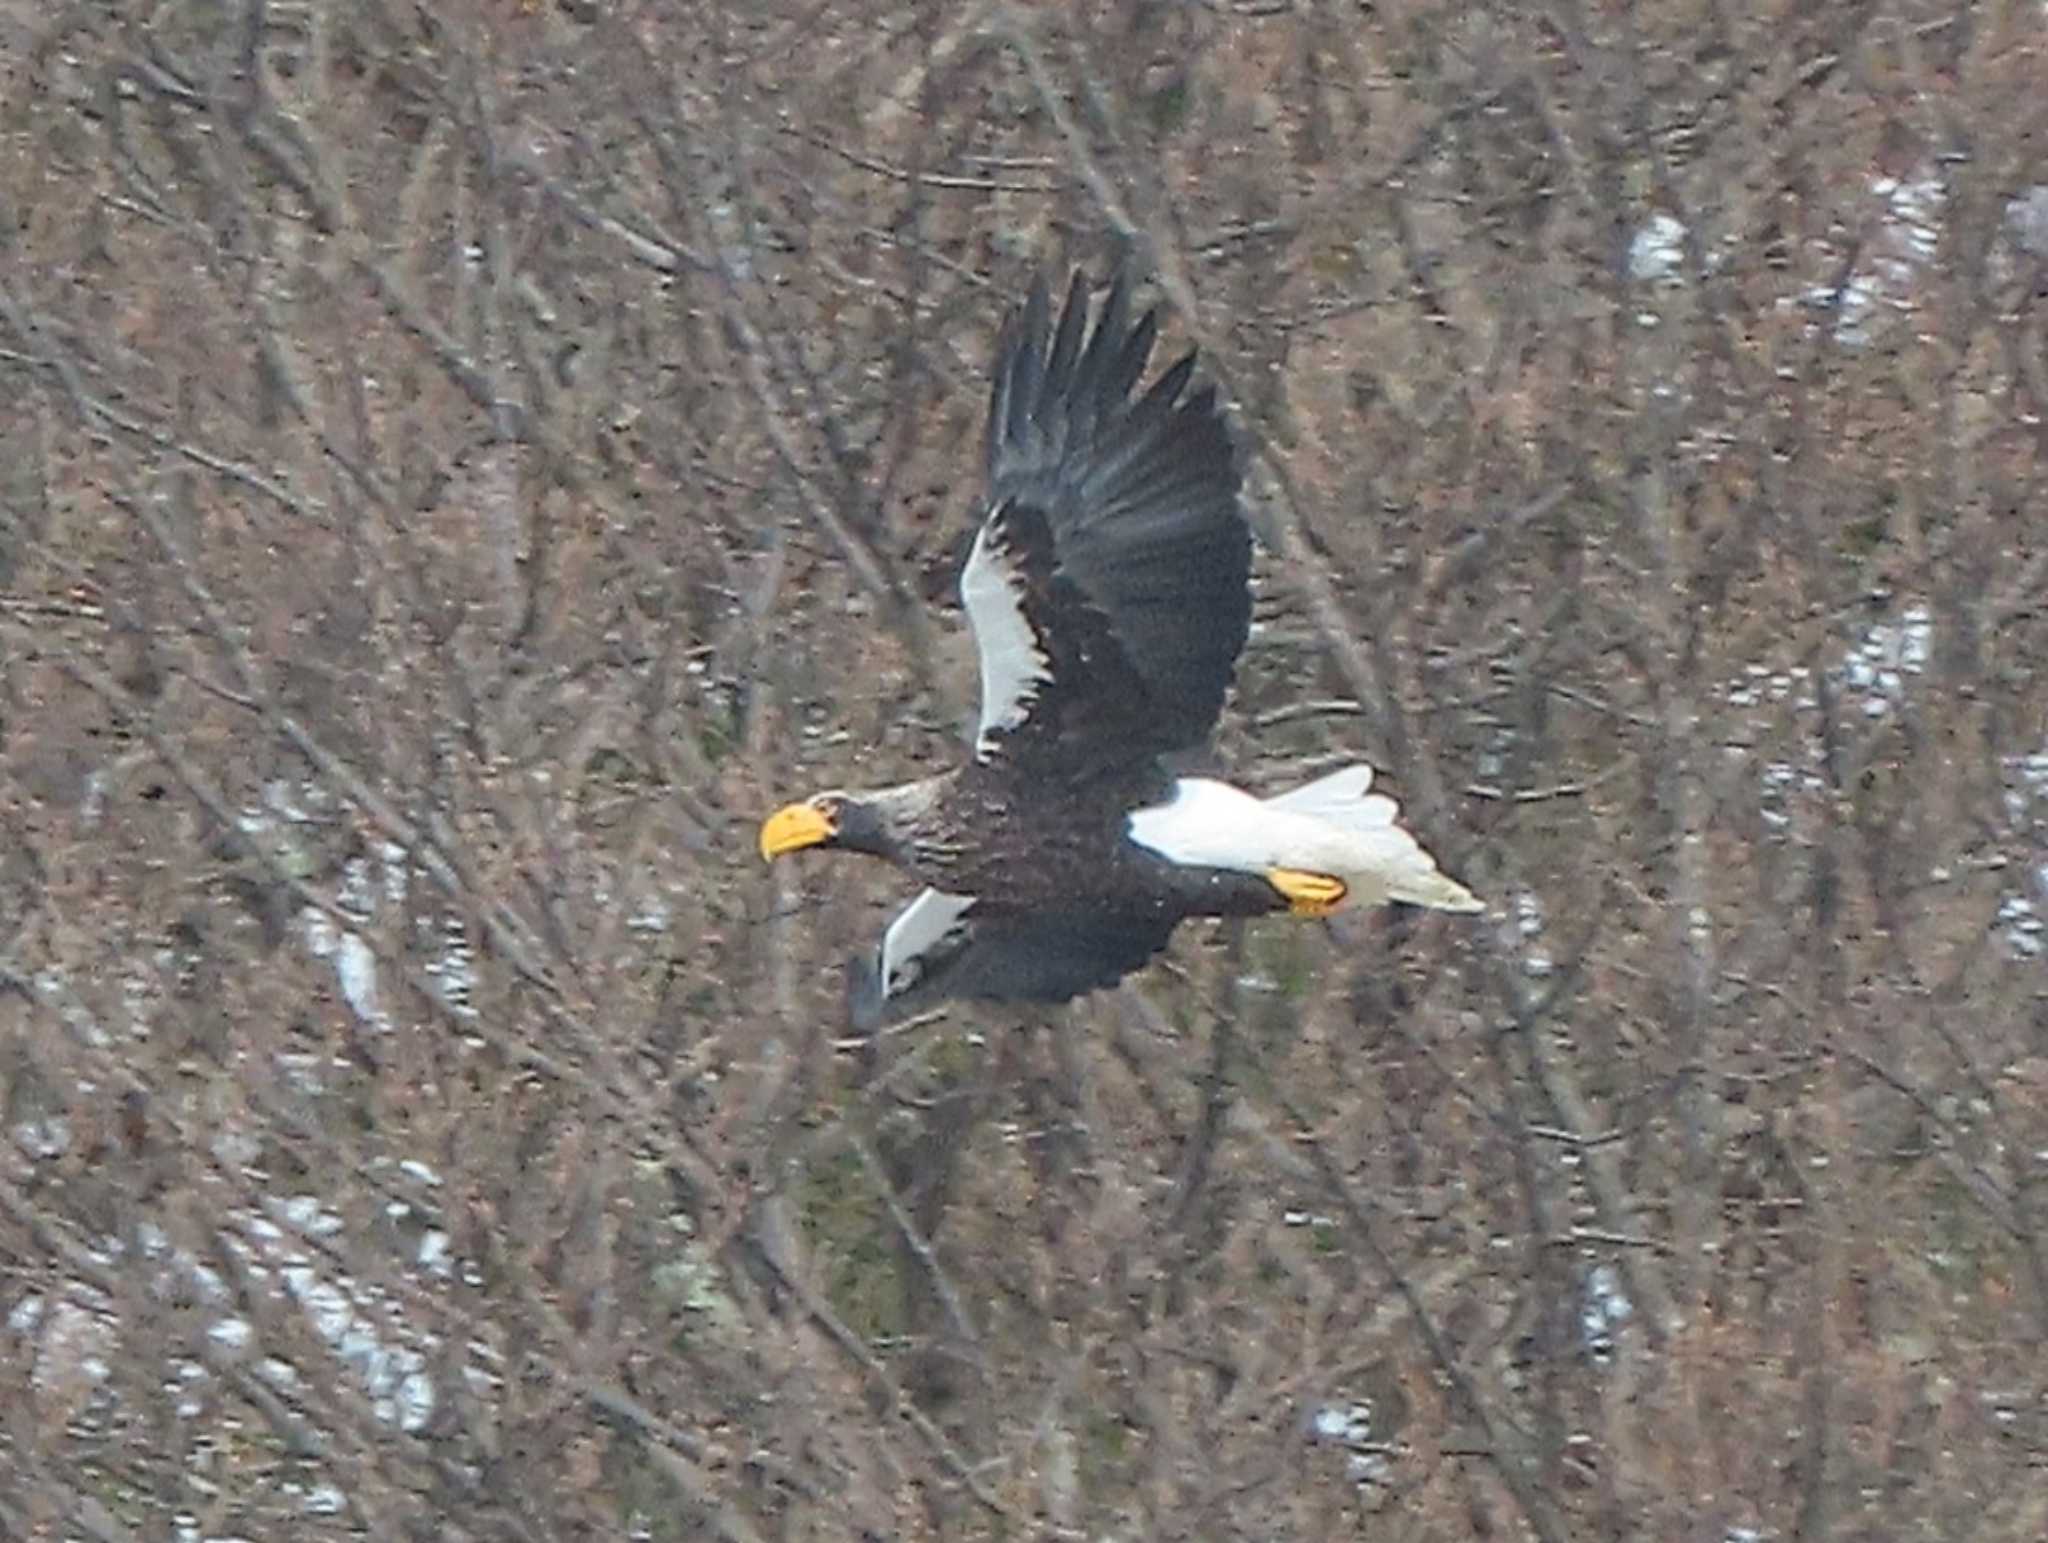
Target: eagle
[1108,588]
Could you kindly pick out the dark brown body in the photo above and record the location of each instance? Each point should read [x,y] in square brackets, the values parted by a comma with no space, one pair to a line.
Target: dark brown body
[1020,846]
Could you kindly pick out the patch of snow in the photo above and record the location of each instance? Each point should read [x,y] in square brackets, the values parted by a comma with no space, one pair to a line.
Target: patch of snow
[1529,925]
[325,1304]
[141,995]
[322,936]
[1366,1468]
[302,1071]
[2019,922]
[359,1325]
[188,1377]
[453,972]
[1605,1309]
[2030,772]
[1348,1423]
[234,1148]
[413,1405]
[1656,254]
[355,966]
[281,1375]
[1877,667]
[75,1343]
[280,799]
[2026,218]
[264,1232]
[23,1317]
[1759,684]
[397,870]
[43,1138]
[53,990]
[358,892]
[1916,207]
[651,918]
[308,1216]
[1907,234]
[1777,783]
[1492,759]
[433,1256]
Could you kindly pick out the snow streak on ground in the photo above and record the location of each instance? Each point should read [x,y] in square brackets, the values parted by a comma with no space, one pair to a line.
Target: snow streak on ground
[1874,680]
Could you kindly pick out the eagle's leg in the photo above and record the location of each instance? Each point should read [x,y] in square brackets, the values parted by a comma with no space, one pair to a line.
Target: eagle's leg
[1308,894]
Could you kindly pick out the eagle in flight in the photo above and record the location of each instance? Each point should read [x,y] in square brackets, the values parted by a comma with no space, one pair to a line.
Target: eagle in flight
[1108,590]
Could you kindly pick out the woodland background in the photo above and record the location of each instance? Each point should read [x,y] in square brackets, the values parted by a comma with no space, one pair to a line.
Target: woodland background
[461,463]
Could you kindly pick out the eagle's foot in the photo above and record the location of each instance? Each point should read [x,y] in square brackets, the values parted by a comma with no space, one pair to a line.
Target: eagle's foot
[1308,894]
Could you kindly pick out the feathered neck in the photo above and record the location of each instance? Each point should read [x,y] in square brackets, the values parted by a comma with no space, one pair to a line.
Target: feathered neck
[891,823]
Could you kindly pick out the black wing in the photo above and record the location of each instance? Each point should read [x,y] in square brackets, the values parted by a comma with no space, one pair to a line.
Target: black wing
[937,949]
[1112,571]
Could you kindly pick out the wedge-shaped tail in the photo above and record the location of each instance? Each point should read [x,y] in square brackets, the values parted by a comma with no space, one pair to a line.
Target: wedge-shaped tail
[1345,799]
[1335,825]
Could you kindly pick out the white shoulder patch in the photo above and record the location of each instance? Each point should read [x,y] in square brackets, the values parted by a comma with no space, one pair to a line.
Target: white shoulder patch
[918,929]
[1209,824]
[1013,665]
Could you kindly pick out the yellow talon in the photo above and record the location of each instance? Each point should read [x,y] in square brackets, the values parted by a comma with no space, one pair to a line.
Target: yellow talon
[1308,894]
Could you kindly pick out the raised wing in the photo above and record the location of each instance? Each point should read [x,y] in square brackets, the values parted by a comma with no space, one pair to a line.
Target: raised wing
[1109,580]
[1059,692]
[936,949]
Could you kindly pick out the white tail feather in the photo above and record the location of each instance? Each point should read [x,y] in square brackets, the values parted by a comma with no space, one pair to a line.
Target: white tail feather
[1335,795]
[1334,825]
[1386,857]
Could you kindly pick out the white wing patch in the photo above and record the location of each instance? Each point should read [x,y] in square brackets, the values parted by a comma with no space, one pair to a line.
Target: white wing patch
[1210,825]
[917,930]
[1013,665]
[1332,825]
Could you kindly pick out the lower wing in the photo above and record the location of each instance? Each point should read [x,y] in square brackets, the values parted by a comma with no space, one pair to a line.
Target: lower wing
[939,948]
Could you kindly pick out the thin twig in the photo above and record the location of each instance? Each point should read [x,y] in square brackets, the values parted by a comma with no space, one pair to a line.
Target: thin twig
[1503,1447]
[855,1349]
[956,1309]
[94,409]
[1577,789]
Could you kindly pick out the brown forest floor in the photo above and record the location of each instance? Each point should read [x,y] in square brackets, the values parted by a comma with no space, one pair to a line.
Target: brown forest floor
[461,463]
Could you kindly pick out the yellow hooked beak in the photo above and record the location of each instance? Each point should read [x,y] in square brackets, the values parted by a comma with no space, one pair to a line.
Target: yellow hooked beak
[794,826]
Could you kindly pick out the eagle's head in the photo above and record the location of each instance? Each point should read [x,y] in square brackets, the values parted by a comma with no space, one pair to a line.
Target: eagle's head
[877,824]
